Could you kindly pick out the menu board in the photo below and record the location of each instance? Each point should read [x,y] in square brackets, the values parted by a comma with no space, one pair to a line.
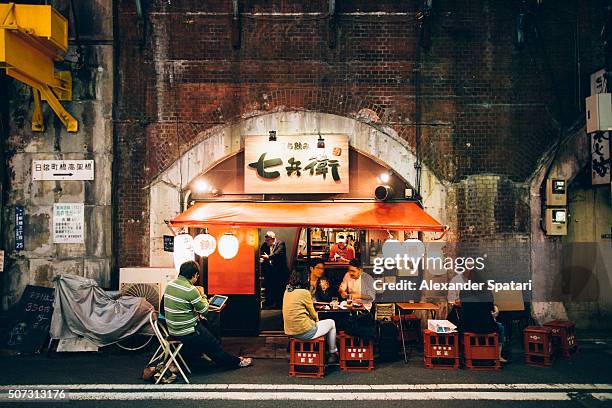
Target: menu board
[32,319]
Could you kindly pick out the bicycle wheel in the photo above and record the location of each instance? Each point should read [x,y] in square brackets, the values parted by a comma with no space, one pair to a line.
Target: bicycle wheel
[135,342]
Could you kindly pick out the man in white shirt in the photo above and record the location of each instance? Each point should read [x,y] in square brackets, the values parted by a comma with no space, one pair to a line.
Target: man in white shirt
[358,284]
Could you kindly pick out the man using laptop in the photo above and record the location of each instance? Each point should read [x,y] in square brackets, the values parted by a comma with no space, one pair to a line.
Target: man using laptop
[183,306]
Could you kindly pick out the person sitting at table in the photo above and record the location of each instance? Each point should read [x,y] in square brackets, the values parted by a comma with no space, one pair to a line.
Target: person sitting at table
[478,314]
[323,292]
[184,304]
[452,296]
[340,251]
[358,284]
[300,318]
[317,271]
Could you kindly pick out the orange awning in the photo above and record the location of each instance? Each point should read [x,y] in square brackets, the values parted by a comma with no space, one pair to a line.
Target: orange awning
[338,214]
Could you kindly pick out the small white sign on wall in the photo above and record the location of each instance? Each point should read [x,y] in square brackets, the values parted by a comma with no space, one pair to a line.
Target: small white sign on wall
[68,223]
[1,261]
[62,169]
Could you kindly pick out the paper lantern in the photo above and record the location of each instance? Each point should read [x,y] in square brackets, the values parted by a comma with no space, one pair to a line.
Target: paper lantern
[204,244]
[183,250]
[228,246]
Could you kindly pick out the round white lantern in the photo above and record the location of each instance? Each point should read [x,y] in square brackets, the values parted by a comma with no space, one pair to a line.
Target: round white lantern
[204,244]
[183,250]
[228,246]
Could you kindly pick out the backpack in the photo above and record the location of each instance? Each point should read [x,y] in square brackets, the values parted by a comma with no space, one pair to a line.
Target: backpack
[388,343]
[362,325]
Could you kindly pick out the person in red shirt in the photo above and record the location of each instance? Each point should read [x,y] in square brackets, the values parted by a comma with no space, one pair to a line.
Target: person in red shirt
[341,251]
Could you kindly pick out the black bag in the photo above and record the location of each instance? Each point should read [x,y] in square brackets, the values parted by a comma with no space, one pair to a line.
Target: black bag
[362,325]
[388,343]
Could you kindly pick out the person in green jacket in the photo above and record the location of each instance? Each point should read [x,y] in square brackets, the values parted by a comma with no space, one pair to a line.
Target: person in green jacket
[300,318]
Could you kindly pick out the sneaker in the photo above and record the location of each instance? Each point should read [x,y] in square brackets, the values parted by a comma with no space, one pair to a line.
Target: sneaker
[332,359]
[502,360]
[245,362]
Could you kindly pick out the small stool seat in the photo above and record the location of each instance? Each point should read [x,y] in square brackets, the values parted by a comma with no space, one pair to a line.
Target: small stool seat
[537,341]
[355,354]
[441,350]
[564,337]
[307,357]
[481,351]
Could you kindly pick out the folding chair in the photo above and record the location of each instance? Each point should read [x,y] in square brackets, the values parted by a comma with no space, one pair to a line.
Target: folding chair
[168,350]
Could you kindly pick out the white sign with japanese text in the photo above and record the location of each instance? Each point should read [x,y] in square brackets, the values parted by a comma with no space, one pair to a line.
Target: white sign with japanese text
[1,261]
[62,169]
[600,158]
[295,164]
[68,223]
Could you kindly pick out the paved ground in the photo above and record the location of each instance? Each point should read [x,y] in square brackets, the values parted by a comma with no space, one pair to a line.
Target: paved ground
[105,378]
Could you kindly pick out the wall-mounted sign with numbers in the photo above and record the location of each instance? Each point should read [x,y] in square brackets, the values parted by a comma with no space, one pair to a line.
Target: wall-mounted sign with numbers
[62,169]
[19,227]
[294,164]
[68,223]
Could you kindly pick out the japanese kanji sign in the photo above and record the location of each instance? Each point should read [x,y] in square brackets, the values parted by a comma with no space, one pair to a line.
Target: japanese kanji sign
[19,227]
[68,223]
[294,164]
[62,169]
[600,158]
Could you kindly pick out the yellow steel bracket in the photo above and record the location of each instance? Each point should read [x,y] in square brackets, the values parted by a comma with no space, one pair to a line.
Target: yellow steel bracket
[32,38]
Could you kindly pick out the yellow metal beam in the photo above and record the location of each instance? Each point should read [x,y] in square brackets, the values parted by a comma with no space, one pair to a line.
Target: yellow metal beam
[31,39]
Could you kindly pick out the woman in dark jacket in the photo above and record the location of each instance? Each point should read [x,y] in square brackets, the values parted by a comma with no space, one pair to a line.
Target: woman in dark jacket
[478,314]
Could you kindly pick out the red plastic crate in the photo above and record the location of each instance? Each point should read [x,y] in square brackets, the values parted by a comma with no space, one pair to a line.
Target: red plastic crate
[564,336]
[355,354]
[537,341]
[481,351]
[307,357]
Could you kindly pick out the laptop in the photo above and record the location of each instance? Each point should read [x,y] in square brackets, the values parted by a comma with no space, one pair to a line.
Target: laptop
[216,302]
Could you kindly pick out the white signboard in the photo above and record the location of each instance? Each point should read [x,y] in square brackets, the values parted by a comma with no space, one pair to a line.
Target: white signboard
[600,158]
[598,82]
[62,169]
[1,261]
[68,223]
[295,164]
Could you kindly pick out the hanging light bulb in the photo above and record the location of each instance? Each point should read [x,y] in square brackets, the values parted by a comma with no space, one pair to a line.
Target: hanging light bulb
[228,246]
[183,250]
[204,244]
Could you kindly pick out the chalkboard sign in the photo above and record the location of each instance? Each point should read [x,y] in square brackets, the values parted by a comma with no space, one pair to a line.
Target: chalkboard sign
[32,318]
[169,243]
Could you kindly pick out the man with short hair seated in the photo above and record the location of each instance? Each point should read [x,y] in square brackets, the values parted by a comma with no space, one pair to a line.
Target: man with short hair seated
[183,305]
[357,284]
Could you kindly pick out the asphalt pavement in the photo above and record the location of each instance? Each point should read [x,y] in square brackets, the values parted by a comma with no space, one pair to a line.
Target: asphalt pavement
[112,378]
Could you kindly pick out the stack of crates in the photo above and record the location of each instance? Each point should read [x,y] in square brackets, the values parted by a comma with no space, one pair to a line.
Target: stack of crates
[441,350]
[564,337]
[537,341]
[481,351]
[355,354]
[307,357]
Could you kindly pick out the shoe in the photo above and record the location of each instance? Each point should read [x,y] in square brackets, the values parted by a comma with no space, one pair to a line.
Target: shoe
[245,362]
[332,359]
[502,360]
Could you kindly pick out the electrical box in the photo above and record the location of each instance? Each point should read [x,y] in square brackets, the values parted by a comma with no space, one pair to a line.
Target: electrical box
[599,113]
[556,221]
[556,191]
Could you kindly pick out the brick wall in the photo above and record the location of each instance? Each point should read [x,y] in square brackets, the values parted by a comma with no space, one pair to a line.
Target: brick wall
[487,107]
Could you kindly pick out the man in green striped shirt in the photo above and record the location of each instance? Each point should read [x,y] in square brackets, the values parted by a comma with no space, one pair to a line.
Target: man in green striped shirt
[183,305]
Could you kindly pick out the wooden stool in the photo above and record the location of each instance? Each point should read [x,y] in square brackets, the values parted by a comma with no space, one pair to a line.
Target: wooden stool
[441,350]
[307,357]
[481,351]
[564,337]
[355,354]
[537,341]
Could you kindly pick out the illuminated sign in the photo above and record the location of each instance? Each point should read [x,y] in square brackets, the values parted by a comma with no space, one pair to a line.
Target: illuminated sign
[296,164]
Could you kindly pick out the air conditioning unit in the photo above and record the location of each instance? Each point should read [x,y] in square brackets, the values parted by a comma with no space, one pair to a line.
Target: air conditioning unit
[148,283]
[599,113]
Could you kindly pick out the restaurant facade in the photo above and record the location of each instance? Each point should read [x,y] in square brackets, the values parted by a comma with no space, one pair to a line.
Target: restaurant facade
[178,99]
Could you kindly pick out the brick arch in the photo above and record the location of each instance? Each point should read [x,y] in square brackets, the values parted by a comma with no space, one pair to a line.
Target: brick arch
[199,123]
[380,143]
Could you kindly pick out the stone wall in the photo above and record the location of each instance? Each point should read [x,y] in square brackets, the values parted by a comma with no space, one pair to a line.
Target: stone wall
[92,106]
